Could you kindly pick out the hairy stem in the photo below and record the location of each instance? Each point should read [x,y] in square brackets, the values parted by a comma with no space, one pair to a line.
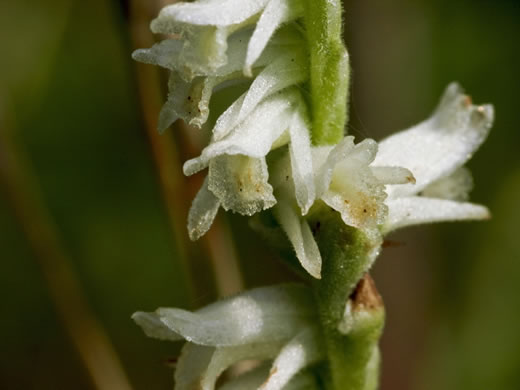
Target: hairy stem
[330,73]
[351,311]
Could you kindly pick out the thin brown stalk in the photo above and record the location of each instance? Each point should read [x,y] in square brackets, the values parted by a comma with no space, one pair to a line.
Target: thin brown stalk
[177,190]
[164,153]
[86,333]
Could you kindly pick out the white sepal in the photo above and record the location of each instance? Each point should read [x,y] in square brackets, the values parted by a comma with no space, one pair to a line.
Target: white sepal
[300,236]
[301,159]
[207,12]
[267,314]
[435,151]
[438,146]
[187,100]
[325,160]
[414,210]
[202,212]
[252,137]
[353,190]
[199,366]
[276,13]
[165,54]
[289,69]
[302,351]
[454,187]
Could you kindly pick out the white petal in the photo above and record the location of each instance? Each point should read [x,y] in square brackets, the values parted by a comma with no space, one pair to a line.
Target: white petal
[454,187]
[213,51]
[354,191]
[326,159]
[199,366]
[205,51]
[261,315]
[164,53]
[301,160]
[270,80]
[393,175]
[364,152]
[302,351]
[173,108]
[202,212]
[212,12]
[285,42]
[228,119]
[416,210]
[236,53]
[287,70]
[199,51]
[153,326]
[177,54]
[437,147]
[187,100]
[240,183]
[276,13]
[254,136]
[343,154]
[300,236]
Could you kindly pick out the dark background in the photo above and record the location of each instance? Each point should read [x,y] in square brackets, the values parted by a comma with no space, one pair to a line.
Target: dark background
[86,237]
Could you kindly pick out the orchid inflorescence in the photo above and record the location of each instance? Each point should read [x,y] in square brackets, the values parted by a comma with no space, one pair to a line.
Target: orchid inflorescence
[279,150]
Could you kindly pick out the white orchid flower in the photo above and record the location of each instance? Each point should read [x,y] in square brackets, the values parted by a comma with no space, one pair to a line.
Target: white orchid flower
[273,324]
[201,57]
[190,89]
[435,151]
[243,136]
[415,176]
[346,181]
[217,42]
[205,26]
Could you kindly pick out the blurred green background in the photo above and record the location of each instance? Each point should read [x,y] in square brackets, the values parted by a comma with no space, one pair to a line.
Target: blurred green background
[72,136]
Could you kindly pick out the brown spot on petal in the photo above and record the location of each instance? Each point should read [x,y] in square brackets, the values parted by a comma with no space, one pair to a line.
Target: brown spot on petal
[411,179]
[467,101]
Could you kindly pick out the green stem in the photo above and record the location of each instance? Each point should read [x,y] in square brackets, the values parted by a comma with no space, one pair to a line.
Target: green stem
[330,73]
[351,311]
